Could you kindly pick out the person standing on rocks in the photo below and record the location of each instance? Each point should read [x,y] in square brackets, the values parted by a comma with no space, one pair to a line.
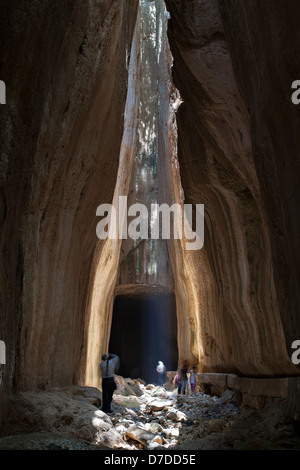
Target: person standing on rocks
[161,370]
[177,382]
[109,367]
[192,379]
[184,377]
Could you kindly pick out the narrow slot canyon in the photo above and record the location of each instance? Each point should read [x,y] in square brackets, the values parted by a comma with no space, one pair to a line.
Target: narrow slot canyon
[149,195]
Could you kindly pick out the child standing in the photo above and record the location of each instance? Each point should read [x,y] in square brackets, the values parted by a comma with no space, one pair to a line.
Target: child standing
[193,379]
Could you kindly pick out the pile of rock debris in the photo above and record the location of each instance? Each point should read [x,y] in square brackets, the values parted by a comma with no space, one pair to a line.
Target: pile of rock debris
[153,417]
[144,417]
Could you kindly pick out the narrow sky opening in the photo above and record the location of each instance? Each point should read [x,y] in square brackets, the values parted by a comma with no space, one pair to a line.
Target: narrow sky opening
[149,322]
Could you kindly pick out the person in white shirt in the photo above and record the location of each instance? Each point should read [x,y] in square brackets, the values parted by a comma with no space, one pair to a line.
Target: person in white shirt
[161,370]
[109,367]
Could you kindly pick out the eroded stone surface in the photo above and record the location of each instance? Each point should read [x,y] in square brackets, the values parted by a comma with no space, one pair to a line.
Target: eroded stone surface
[61,135]
[234,314]
[62,129]
[67,419]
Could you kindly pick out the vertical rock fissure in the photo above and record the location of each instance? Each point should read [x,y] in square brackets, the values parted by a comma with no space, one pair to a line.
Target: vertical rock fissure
[148,174]
[106,258]
[145,261]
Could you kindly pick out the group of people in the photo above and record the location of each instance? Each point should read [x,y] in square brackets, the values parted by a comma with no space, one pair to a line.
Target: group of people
[110,366]
[185,378]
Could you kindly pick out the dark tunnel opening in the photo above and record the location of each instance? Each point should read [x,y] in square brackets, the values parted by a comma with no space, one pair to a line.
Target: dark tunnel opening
[143,332]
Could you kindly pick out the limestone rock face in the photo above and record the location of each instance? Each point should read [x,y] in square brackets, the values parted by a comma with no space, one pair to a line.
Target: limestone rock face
[270,49]
[224,161]
[68,142]
[61,140]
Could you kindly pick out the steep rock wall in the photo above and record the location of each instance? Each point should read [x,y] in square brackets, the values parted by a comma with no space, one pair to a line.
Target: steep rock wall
[264,38]
[105,265]
[61,142]
[236,313]
[66,92]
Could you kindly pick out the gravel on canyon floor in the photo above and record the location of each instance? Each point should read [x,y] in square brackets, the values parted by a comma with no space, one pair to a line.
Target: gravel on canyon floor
[144,417]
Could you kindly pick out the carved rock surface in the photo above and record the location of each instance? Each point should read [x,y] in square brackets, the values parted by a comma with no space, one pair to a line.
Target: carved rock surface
[236,315]
[272,45]
[62,155]
[61,130]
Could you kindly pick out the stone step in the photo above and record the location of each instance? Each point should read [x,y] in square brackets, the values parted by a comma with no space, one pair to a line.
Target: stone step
[254,392]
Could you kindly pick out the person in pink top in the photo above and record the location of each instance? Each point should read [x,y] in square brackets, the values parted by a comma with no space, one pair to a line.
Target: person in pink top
[192,379]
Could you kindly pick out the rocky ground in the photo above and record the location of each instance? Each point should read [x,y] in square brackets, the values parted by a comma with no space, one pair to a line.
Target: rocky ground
[144,417]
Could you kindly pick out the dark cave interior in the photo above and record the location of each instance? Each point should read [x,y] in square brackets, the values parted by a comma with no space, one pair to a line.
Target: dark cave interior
[143,332]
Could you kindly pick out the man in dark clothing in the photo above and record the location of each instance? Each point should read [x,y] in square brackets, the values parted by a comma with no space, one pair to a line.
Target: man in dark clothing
[109,367]
[184,377]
